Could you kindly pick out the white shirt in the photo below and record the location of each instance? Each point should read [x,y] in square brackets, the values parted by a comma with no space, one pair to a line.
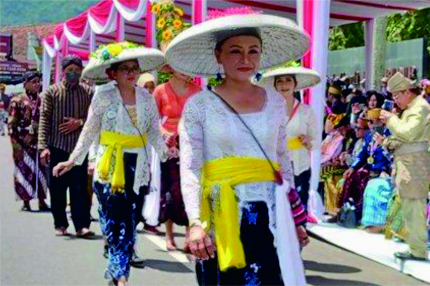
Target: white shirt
[302,123]
[108,113]
[210,130]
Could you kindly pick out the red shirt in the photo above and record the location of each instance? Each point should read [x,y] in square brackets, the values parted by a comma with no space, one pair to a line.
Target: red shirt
[170,105]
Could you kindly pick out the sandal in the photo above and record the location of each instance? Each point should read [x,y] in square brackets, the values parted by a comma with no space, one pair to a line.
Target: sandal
[84,233]
[62,231]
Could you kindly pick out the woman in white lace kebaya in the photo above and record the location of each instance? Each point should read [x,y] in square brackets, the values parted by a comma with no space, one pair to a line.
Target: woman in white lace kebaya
[301,121]
[236,173]
[123,118]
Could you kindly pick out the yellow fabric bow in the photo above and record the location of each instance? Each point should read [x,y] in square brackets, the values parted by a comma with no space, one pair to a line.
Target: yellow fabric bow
[117,142]
[228,173]
[294,143]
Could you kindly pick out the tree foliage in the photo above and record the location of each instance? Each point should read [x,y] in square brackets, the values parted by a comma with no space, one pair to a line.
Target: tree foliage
[400,27]
[408,26]
[346,36]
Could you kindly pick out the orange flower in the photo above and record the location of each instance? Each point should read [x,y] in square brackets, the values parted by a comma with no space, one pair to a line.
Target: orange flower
[177,23]
[156,9]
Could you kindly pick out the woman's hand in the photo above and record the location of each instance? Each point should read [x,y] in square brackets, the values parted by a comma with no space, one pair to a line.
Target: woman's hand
[302,236]
[173,152]
[201,245]
[62,168]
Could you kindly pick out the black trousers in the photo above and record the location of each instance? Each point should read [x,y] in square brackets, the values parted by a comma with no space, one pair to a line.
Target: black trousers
[262,263]
[76,181]
[302,183]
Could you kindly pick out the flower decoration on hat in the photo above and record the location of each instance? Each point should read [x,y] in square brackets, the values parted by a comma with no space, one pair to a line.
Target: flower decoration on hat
[113,50]
[169,20]
[214,14]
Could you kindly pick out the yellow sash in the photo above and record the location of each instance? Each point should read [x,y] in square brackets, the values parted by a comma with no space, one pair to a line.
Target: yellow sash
[227,173]
[117,142]
[294,143]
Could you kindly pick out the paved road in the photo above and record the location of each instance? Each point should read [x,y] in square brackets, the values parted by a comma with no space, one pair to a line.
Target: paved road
[32,255]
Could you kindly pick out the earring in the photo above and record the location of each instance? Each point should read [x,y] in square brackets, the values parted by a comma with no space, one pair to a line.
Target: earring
[258,76]
[219,75]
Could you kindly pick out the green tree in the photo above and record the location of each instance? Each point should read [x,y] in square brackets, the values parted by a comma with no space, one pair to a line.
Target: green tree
[346,36]
[408,26]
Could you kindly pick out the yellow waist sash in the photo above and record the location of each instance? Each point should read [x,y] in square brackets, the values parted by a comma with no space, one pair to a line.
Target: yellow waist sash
[227,173]
[294,143]
[117,142]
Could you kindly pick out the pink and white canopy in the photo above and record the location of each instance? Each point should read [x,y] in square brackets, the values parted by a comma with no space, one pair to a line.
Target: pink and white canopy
[110,20]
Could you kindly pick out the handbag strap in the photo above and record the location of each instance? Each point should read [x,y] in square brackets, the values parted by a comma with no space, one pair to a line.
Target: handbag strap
[250,131]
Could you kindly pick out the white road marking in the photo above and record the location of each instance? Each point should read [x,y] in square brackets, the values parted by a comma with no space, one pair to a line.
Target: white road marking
[161,243]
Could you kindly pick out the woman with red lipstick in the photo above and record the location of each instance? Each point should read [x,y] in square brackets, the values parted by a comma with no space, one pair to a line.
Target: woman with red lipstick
[123,119]
[236,175]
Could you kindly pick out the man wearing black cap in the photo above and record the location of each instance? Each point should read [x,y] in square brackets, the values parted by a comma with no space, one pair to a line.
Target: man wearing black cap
[63,113]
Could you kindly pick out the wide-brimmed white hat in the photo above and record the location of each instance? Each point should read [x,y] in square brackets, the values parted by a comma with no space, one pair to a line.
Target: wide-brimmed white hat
[105,56]
[305,77]
[192,51]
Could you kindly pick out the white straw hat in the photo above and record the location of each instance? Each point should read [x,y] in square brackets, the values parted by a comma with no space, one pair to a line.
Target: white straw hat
[105,56]
[192,51]
[305,77]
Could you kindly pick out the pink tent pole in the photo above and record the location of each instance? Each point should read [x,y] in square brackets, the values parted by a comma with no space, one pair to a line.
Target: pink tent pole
[149,18]
[120,32]
[308,12]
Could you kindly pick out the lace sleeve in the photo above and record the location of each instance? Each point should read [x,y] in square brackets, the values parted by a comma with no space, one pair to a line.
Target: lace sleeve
[91,129]
[283,155]
[154,132]
[93,150]
[191,148]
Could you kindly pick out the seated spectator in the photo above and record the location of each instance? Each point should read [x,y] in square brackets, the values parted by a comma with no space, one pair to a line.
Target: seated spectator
[358,104]
[332,170]
[335,99]
[374,99]
[372,160]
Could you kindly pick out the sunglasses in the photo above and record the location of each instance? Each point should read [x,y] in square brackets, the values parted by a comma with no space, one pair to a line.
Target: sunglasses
[127,70]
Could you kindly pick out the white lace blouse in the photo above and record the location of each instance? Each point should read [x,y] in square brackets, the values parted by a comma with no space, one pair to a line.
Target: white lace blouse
[302,123]
[210,130]
[108,113]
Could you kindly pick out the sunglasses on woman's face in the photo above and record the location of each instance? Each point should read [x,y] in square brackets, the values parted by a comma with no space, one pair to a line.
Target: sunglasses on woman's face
[128,70]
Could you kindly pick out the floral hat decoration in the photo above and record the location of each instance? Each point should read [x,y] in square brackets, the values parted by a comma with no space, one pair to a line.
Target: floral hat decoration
[106,55]
[169,21]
